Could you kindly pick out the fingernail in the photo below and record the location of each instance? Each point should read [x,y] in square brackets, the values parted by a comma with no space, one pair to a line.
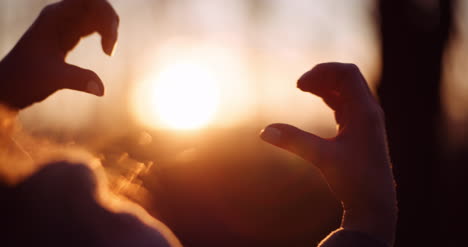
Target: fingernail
[271,134]
[93,88]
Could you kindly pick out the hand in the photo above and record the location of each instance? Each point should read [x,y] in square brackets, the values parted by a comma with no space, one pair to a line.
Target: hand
[355,163]
[36,66]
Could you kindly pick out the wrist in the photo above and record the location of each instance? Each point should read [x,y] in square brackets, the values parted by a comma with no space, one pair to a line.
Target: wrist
[378,222]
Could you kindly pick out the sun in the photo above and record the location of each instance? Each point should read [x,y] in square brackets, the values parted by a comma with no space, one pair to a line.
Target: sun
[182,95]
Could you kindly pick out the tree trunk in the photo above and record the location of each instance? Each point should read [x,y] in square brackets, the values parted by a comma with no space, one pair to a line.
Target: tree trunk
[413,39]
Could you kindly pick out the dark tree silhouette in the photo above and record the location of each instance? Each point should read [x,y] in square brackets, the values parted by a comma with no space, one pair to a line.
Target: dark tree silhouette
[414,35]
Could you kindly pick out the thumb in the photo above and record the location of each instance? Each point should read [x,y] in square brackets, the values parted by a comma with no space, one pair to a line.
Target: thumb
[306,145]
[76,78]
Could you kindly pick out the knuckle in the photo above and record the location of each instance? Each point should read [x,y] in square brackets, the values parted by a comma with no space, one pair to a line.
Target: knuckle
[320,67]
[349,73]
[351,69]
[48,10]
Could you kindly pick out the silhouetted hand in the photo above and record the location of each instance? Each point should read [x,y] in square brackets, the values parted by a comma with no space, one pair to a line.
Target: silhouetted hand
[355,163]
[35,68]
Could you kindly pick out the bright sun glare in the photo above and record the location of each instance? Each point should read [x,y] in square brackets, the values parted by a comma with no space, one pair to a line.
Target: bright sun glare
[182,95]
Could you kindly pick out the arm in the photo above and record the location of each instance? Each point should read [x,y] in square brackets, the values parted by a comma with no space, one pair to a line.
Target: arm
[35,68]
[355,163]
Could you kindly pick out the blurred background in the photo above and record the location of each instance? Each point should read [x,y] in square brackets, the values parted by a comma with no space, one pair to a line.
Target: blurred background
[192,82]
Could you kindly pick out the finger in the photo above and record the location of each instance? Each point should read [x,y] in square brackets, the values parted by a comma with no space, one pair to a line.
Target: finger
[306,145]
[76,78]
[107,24]
[80,18]
[337,84]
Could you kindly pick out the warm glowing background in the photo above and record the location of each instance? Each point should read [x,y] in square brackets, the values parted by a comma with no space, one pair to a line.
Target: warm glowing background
[247,54]
[190,86]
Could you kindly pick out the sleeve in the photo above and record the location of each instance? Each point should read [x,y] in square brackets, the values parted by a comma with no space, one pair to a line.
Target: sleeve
[57,206]
[346,238]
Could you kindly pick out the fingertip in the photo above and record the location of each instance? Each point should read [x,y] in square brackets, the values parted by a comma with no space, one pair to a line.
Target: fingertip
[94,87]
[114,36]
[306,81]
[76,78]
[301,82]
[109,31]
[109,42]
[108,46]
[271,135]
